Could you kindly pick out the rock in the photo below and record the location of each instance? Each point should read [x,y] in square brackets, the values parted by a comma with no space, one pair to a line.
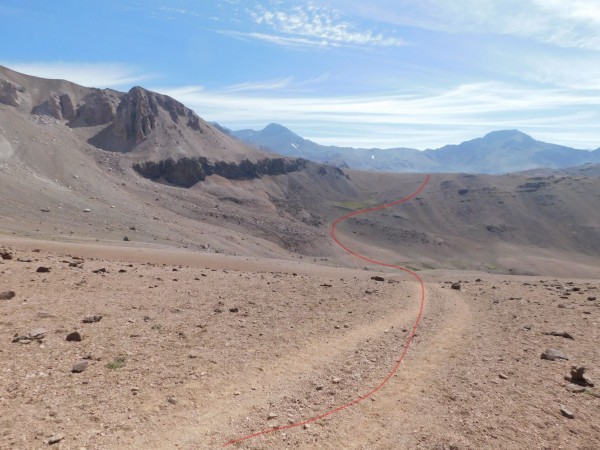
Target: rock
[98,107]
[80,366]
[576,389]
[234,309]
[565,412]
[38,333]
[271,416]
[559,334]
[455,286]
[43,269]
[55,439]
[87,210]
[502,376]
[552,354]
[591,298]
[578,376]
[101,270]
[6,255]
[7,295]
[336,380]
[126,238]
[9,93]
[75,336]
[46,210]
[21,338]
[377,278]
[92,319]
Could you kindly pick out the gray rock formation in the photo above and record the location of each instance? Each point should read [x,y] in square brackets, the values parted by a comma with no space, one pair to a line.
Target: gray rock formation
[9,93]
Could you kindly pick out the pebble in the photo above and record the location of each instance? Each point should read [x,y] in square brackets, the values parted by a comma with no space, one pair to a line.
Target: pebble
[92,319]
[455,286]
[565,412]
[591,299]
[75,336]
[38,333]
[55,439]
[43,269]
[502,376]
[80,366]
[377,278]
[7,295]
[552,354]
[559,334]
[271,416]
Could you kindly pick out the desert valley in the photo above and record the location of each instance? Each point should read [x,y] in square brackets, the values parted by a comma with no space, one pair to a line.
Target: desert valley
[164,284]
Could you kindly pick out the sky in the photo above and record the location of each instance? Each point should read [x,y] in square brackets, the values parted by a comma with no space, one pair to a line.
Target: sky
[361,73]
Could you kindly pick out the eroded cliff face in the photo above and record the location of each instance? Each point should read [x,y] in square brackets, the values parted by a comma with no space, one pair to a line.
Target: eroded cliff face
[186,172]
[139,111]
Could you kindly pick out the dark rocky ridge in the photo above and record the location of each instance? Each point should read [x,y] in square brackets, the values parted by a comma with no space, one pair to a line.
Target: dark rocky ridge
[186,172]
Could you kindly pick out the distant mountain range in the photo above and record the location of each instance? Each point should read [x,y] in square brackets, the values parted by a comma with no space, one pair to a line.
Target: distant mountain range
[498,152]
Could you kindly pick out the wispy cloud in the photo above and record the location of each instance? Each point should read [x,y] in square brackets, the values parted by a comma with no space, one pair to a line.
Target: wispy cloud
[311,26]
[428,119]
[101,75]
[268,85]
[574,24]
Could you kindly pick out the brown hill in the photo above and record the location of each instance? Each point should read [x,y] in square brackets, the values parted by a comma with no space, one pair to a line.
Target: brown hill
[59,161]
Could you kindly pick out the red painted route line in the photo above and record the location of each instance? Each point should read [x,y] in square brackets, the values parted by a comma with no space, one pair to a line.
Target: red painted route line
[408,342]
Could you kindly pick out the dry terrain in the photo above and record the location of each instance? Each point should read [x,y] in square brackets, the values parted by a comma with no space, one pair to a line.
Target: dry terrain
[193,355]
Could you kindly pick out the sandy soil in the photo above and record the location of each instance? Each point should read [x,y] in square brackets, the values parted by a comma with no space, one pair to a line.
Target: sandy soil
[193,355]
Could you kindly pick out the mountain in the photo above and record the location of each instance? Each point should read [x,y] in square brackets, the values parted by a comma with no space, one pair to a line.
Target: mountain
[496,153]
[87,165]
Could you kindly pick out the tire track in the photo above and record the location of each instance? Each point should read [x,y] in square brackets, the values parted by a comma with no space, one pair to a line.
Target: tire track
[410,337]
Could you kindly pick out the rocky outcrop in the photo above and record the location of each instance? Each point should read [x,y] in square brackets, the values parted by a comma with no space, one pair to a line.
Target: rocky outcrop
[9,93]
[50,107]
[138,112]
[186,172]
[98,107]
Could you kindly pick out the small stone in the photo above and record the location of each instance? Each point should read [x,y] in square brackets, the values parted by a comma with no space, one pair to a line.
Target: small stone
[565,412]
[80,366]
[319,388]
[172,400]
[337,327]
[560,334]
[271,416]
[552,354]
[193,355]
[46,210]
[126,238]
[75,336]
[92,319]
[306,426]
[377,278]
[55,439]
[86,210]
[502,376]
[38,333]
[591,298]
[6,255]
[336,380]
[234,309]
[578,376]
[455,286]
[576,389]
[7,295]
[43,269]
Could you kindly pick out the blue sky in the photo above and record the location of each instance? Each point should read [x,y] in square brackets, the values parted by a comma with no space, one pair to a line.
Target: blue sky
[376,73]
